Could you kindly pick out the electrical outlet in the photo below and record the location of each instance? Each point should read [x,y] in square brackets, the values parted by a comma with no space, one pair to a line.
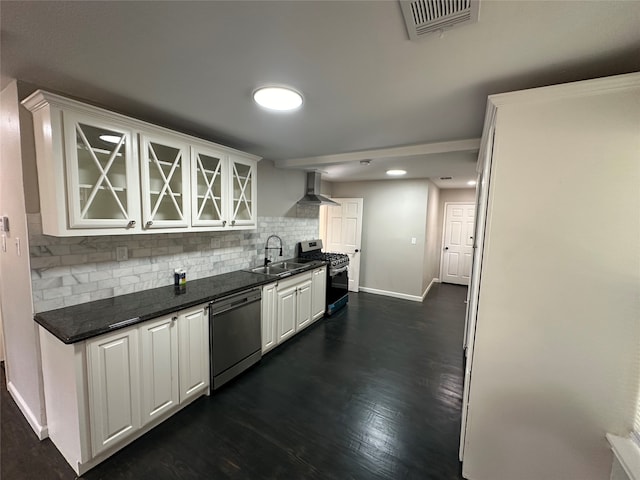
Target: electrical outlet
[122,253]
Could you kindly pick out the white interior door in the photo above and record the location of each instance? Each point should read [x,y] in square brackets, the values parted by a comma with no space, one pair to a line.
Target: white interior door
[457,244]
[344,234]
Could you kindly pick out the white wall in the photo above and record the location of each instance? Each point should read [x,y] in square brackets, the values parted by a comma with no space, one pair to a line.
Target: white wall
[558,332]
[394,211]
[279,191]
[431,265]
[21,341]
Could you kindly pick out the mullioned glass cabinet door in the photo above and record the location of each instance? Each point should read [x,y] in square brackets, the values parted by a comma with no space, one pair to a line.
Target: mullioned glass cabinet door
[165,181]
[243,192]
[209,187]
[102,181]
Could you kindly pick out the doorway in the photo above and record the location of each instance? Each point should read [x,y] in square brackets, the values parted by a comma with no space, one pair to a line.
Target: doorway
[343,234]
[457,243]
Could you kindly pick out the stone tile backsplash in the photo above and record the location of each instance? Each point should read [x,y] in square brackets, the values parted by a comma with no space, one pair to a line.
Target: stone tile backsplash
[70,270]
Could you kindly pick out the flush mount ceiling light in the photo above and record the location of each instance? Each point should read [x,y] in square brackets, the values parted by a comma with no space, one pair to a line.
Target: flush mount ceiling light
[281,99]
[471,183]
[396,173]
[365,162]
[110,138]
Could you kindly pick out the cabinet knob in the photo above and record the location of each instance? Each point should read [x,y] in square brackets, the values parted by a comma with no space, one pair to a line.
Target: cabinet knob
[224,223]
[233,222]
[149,223]
[131,224]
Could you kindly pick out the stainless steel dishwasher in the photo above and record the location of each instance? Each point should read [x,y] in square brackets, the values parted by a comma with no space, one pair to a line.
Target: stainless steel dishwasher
[235,337]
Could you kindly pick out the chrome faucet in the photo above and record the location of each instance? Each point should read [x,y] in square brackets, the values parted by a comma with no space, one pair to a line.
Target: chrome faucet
[267,248]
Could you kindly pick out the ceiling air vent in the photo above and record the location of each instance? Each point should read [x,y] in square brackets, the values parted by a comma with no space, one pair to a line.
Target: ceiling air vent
[427,16]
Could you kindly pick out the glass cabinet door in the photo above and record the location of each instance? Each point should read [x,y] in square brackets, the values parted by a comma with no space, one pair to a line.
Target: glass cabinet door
[209,187]
[243,191]
[165,181]
[101,175]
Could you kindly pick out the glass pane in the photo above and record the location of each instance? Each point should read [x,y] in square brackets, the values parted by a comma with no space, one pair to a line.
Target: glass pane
[164,179]
[101,173]
[167,209]
[242,192]
[209,186]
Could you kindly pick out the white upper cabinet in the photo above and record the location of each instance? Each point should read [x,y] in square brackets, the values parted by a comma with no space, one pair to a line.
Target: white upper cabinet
[165,181]
[101,173]
[209,195]
[243,192]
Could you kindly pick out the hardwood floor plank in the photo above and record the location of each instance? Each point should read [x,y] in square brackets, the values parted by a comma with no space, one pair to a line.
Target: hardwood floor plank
[373,392]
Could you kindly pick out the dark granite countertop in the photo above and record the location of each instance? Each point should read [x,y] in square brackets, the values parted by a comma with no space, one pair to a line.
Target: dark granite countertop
[80,322]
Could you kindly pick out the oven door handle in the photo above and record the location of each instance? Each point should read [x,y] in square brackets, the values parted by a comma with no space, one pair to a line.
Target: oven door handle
[335,271]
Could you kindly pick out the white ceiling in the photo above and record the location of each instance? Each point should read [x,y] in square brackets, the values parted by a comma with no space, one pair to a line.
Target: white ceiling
[192,66]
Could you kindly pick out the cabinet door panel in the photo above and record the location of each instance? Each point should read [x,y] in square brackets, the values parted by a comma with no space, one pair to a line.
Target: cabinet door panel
[269,319]
[114,397]
[102,181]
[159,344]
[193,334]
[209,187]
[286,313]
[164,163]
[242,191]
[319,293]
[303,300]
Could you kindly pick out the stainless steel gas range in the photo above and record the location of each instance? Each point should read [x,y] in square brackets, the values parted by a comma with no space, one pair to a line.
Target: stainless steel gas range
[338,278]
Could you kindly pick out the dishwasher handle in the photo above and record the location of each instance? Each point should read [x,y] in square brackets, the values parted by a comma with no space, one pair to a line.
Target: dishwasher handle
[235,301]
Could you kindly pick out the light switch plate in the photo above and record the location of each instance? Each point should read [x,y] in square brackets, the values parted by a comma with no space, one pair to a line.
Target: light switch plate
[414,240]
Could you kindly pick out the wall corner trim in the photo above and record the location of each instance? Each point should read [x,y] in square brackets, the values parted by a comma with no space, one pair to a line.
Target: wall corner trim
[628,454]
[426,291]
[41,431]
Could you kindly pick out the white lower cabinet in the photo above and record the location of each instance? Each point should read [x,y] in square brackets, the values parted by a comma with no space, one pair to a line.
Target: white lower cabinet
[303,305]
[288,307]
[159,360]
[318,293]
[114,395]
[269,310]
[193,332]
[103,393]
[287,313]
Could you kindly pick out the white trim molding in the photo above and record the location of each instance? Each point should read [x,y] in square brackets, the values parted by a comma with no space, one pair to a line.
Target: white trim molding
[627,453]
[41,430]
[433,280]
[467,145]
[403,296]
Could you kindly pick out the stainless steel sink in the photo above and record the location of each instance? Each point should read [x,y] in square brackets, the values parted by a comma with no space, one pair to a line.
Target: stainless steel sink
[288,265]
[279,269]
[270,270]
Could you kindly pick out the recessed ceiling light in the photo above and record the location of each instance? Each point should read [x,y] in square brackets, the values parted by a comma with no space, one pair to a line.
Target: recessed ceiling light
[396,173]
[471,182]
[110,138]
[277,98]
[365,162]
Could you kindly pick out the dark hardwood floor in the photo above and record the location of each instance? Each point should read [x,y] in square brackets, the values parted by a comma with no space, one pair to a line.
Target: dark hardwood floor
[373,392]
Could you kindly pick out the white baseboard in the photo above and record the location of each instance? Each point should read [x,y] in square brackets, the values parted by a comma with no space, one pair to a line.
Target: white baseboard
[404,296]
[40,430]
[433,280]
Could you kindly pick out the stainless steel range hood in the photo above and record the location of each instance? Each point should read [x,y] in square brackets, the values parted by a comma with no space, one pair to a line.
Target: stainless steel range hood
[313,196]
